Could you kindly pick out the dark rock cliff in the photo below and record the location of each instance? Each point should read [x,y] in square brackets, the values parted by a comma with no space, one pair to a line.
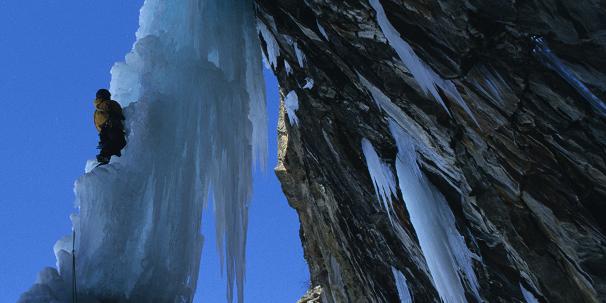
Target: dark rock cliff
[522,169]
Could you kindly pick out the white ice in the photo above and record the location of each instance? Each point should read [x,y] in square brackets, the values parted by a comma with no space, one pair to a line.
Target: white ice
[287,67]
[528,296]
[382,177]
[448,258]
[322,30]
[551,60]
[410,126]
[401,285]
[193,95]
[309,83]
[291,103]
[427,79]
[273,49]
[490,83]
[300,56]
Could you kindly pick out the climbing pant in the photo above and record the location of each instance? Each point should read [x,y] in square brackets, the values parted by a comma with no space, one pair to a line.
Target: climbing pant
[111,142]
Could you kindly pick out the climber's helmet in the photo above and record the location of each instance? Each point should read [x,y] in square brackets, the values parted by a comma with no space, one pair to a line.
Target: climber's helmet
[104,94]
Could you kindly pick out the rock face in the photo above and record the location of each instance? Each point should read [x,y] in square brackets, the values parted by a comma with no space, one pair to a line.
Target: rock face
[516,151]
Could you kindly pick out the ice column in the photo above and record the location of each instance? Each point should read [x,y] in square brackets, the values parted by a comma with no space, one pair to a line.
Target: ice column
[401,285]
[193,93]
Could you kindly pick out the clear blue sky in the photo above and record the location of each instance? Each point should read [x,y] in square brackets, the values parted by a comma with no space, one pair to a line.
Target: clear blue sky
[54,55]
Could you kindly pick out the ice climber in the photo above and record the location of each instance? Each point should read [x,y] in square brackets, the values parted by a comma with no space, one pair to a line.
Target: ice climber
[109,122]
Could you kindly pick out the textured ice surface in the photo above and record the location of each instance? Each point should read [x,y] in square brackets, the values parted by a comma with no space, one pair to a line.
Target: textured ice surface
[382,177]
[300,56]
[403,291]
[322,30]
[291,102]
[398,116]
[489,83]
[427,79]
[448,258]
[528,296]
[193,93]
[273,49]
[287,67]
[309,83]
[542,51]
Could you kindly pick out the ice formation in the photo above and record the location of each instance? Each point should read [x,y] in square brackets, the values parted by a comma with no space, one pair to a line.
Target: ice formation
[194,98]
[291,103]
[287,67]
[300,55]
[309,83]
[542,51]
[322,30]
[403,291]
[273,49]
[489,82]
[528,296]
[382,178]
[427,79]
[448,258]
[397,115]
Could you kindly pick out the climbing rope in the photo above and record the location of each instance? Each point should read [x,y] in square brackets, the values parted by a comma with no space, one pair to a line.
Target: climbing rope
[74,288]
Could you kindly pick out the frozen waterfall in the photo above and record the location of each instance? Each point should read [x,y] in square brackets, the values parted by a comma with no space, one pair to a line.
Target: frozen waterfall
[193,93]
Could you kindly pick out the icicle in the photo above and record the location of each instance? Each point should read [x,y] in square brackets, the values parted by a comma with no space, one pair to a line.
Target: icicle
[427,79]
[444,248]
[528,296]
[546,56]
[381,175]
[255,87]
[403,291]
[273,49]
[322,30]
[398,116]
[300,56]
[291,103]
[288,68]
[448,258]
[490,83]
